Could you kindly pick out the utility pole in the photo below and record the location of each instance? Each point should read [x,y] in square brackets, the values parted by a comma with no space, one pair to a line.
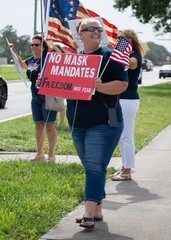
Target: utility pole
[38,15]
[35,17]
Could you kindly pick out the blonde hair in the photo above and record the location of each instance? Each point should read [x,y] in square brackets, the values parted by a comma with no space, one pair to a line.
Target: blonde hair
[84,22]
[137,44]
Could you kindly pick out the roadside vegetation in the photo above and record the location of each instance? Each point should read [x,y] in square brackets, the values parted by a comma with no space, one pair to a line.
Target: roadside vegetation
[35,196]
[9,72]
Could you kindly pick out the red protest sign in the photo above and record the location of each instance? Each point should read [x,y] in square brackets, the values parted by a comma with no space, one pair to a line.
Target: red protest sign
[69,76]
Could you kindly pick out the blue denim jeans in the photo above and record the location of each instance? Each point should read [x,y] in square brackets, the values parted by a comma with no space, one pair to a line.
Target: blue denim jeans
[40,114]
[95,146]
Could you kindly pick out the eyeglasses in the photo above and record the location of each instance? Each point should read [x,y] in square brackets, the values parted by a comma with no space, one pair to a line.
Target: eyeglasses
[92,29]
[35,45]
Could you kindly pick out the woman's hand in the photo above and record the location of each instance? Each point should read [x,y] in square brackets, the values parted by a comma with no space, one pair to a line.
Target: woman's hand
[11,45]
[97,83]
[38,81]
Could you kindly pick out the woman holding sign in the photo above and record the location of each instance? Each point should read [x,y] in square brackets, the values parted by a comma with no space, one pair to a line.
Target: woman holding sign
[43,119]
[96,125]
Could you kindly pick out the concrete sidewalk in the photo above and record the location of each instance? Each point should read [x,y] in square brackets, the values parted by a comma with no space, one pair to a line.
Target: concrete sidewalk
[133,210]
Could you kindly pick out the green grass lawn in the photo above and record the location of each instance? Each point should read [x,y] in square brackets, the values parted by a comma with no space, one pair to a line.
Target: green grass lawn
[9,72]
[154,114]
[35,196]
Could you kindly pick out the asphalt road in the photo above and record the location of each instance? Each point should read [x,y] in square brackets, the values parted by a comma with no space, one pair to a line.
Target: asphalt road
[18,102]
[152,77]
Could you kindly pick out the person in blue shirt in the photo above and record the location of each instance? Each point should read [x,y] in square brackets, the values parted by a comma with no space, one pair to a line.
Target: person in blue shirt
[129,101]
[44,120]
[93,138]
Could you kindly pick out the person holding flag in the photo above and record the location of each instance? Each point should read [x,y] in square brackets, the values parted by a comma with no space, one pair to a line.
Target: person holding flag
[129,101]
[96,125]
[43,119]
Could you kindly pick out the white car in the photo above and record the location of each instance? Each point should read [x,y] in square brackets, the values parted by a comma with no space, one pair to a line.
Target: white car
[165,71]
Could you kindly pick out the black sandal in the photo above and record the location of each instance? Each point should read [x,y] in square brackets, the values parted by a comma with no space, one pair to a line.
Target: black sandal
[97,219]
[86,219]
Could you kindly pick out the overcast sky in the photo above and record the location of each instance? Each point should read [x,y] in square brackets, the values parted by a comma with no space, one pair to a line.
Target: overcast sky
[20,14]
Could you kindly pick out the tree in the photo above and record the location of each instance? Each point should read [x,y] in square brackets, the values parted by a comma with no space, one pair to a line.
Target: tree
[157,53]
[157,12]
[22,44]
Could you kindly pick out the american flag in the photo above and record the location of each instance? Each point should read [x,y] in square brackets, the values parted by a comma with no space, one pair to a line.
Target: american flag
[111,29]
[121,52]
[58,12]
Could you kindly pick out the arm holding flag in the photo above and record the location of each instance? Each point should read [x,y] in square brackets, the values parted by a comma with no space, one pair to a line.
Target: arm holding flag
[16,56]
[18,61]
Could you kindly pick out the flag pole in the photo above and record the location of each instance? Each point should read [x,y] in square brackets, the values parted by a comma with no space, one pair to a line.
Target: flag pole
[41,17]
[41,14]
[104,68]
